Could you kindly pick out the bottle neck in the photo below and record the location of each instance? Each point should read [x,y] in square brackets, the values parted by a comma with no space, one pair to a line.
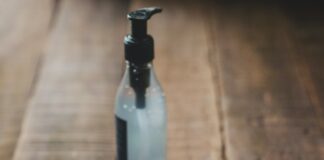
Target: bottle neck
[139,78]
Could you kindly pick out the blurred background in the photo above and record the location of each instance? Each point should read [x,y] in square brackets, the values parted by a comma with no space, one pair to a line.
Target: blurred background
[243,80]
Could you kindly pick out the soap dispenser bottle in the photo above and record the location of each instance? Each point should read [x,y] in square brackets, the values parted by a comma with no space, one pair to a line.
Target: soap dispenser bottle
[140,109]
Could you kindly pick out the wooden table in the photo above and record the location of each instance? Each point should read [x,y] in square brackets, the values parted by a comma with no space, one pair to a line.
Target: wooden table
[243,81]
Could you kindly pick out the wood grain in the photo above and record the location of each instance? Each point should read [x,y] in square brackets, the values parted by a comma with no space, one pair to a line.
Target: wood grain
[71,114]
[183,68]
[23,29]
[306,37]
[267,112]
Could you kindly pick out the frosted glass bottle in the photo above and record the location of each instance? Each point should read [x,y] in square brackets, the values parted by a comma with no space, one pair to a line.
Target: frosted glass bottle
[140,119]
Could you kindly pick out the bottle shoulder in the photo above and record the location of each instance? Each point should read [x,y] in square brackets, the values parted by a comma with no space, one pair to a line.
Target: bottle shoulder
[139,88]
[126,88]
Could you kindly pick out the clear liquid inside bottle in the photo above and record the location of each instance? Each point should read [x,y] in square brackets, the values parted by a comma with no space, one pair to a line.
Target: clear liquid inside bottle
[145,115]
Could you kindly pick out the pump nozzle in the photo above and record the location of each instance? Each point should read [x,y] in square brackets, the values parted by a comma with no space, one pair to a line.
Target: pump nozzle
[139,46]
[144,13]
[139,20]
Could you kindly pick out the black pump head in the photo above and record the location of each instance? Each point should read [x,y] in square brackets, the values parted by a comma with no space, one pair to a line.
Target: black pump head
[139,46]
[139,20]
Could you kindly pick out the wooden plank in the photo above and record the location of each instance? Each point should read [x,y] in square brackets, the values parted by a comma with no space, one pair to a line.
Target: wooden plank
[307,38]
[183,68]
[71,114]
[267,112]
[23,28]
